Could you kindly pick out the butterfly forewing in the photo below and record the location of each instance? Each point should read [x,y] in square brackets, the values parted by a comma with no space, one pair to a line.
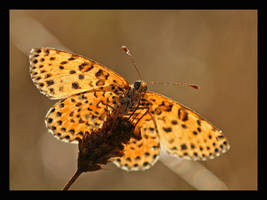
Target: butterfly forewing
[59,74]
[183,132]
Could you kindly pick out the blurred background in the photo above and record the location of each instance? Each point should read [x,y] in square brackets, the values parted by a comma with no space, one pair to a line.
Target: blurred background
[216,50]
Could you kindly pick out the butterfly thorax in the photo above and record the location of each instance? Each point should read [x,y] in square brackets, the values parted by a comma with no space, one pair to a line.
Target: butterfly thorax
[132,96]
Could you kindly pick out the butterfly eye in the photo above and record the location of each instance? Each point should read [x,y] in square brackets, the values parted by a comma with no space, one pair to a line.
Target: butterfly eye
[137,85]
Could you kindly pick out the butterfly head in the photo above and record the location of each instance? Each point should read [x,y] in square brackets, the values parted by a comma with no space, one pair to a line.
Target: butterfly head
[140,86]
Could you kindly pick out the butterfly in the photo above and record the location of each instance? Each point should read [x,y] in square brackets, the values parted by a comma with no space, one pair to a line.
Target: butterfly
[88,91]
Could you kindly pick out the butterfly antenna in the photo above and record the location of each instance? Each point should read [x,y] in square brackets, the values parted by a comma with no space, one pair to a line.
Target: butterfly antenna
[166,83]
[127,51]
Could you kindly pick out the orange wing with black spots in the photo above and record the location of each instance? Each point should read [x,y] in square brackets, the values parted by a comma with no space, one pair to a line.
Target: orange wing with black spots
[59,74]
[140,154]
[69,119]
[182,131]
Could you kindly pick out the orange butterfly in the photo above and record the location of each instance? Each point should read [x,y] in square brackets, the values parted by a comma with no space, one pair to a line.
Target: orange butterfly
[89,91]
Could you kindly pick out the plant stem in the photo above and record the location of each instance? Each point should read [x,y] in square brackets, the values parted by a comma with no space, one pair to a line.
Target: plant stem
[73,178]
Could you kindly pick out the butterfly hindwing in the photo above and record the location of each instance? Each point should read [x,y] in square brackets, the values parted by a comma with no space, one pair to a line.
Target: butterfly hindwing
[141,154]
[69,119]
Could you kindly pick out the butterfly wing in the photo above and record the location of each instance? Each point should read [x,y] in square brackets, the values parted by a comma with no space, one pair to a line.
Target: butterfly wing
[70,118]
[140,154]
[59,74]
[182,131]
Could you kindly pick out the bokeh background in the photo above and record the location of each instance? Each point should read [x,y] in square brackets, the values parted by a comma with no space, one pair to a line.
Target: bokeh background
[216,49]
